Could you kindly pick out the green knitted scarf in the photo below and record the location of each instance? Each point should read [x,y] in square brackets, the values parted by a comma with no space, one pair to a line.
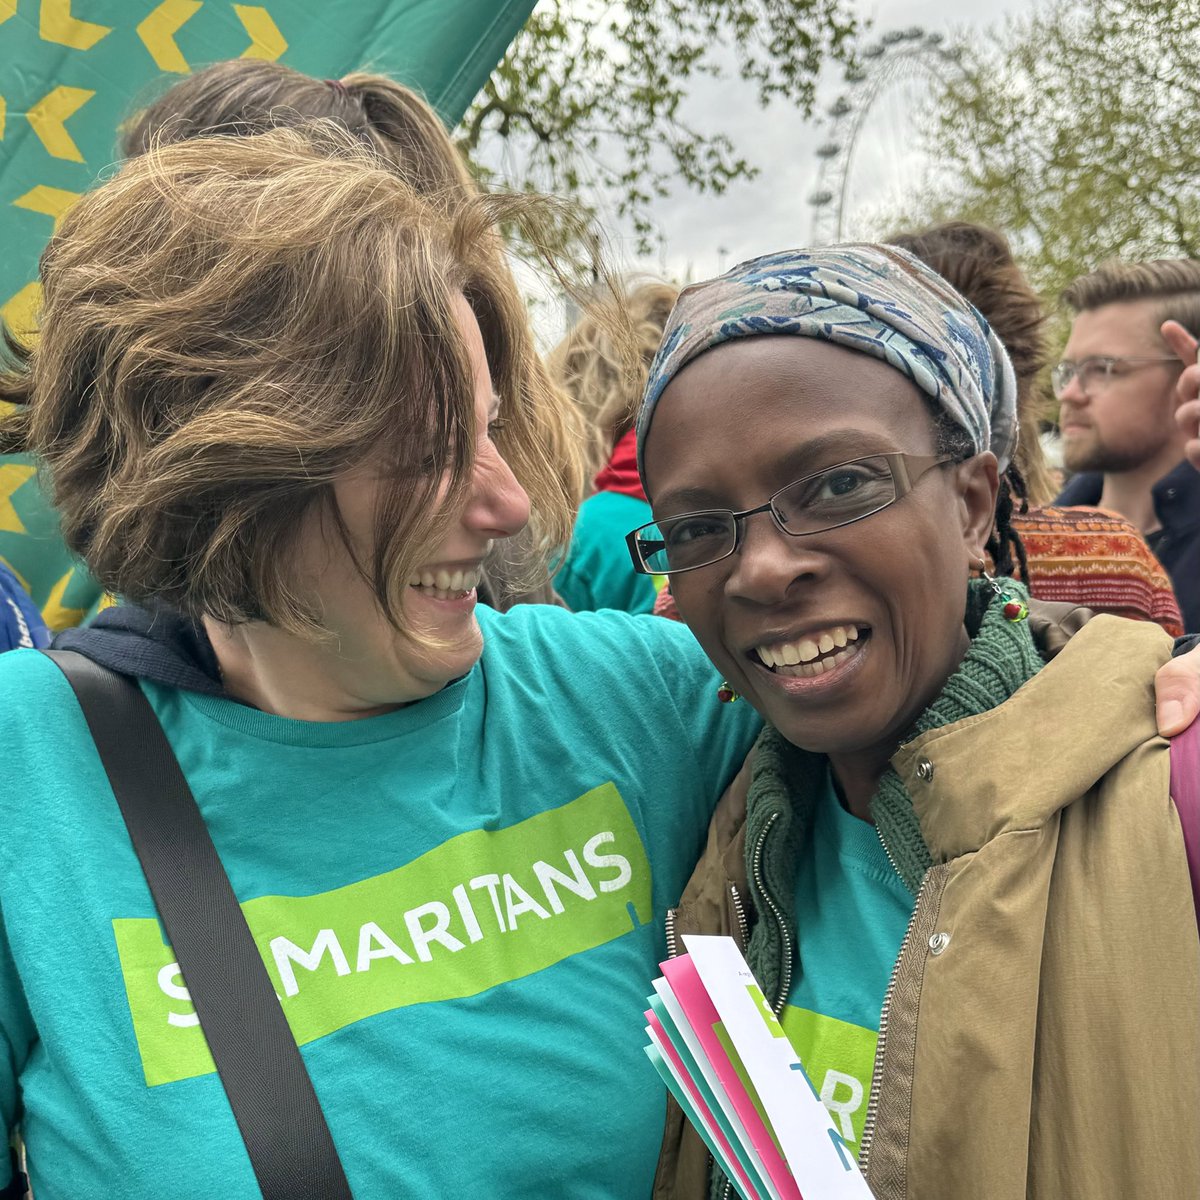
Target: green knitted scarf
[1002,657]
[787,781]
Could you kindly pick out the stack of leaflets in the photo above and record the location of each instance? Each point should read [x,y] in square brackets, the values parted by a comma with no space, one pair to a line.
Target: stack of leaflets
[726,1060]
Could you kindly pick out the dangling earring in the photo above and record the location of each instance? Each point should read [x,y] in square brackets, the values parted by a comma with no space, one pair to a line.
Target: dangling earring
[1015,609]
[726,694]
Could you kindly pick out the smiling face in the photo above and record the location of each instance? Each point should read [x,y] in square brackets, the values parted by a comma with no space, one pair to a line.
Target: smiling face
[875,607]
[372,661]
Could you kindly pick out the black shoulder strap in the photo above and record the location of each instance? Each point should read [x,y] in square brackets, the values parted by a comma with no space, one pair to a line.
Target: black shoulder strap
[260,1066]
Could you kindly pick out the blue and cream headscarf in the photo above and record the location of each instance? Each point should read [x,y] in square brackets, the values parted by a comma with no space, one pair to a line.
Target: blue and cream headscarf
[877,299]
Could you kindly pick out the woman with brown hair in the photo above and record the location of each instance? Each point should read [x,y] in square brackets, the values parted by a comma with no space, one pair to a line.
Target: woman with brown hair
[286,422]
[247,96]
[242,97]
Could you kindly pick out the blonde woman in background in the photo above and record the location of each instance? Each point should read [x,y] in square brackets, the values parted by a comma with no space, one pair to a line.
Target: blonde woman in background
[591,365]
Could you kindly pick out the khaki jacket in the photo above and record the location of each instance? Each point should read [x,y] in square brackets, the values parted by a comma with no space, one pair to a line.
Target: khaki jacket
[1040,1037]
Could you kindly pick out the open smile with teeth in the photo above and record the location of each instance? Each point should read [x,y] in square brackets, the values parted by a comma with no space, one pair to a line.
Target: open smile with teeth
[447,585]
[813,654]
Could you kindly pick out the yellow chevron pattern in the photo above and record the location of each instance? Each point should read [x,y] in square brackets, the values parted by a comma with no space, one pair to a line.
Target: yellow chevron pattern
[48,119]
[56,24]
[12,477]
[55,613]
[266,40]
[50,201]
[65,23]
[158,32]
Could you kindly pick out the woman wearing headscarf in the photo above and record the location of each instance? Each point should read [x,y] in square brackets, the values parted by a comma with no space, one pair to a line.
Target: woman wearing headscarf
[955,868]
[1067,555]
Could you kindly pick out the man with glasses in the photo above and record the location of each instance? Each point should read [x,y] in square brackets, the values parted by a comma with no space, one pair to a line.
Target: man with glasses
[1116,388]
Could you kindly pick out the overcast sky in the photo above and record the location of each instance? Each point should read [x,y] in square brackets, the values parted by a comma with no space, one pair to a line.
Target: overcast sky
[705,233]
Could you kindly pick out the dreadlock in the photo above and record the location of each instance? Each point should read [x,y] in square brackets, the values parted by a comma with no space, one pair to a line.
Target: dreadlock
[1004,544]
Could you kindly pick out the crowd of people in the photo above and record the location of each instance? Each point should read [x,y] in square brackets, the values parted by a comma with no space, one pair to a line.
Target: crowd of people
[749,609]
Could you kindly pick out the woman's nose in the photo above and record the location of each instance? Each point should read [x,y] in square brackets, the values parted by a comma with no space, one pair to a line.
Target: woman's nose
[769,561]
[499,505]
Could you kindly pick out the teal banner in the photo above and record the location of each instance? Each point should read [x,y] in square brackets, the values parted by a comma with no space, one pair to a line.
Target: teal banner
[72,70]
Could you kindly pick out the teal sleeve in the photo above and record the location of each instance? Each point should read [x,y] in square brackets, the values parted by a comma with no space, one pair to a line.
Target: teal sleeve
[713,738]
[16,1038]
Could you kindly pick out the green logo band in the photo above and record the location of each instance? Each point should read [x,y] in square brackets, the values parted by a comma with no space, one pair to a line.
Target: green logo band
[484,908]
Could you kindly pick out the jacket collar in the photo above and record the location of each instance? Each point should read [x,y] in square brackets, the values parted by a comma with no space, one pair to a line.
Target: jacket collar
[1083,489]
[981,777]
[1177,498]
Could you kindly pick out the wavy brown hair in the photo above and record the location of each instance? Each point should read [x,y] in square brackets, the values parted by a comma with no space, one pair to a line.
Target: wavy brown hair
[244,97]
[978,263]
[229,325]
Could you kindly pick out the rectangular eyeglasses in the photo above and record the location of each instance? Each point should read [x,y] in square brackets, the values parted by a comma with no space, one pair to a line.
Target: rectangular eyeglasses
[1100,369]
[836,496]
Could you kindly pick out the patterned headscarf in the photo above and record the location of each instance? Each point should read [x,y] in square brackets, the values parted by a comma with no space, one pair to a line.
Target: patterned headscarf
[877,299]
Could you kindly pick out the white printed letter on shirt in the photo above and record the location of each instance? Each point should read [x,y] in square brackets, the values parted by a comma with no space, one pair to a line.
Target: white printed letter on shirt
[287,952]
[624,870]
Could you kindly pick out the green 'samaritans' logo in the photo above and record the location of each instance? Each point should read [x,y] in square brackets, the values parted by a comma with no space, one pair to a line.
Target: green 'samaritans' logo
[479,910]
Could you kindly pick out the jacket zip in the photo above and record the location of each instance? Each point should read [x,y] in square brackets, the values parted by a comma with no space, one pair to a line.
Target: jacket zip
[864,1153]
[672,941]
[778,1003]
[739,911]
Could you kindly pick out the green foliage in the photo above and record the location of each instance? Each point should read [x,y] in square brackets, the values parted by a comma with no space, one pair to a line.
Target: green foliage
[1075,132]
[592,94]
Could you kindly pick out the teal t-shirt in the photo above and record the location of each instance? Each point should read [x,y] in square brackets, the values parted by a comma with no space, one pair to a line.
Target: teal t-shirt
[598,572]
[460,905]
[852,910]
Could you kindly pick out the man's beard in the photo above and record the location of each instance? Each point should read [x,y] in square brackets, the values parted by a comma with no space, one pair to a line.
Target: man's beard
[1093,454]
